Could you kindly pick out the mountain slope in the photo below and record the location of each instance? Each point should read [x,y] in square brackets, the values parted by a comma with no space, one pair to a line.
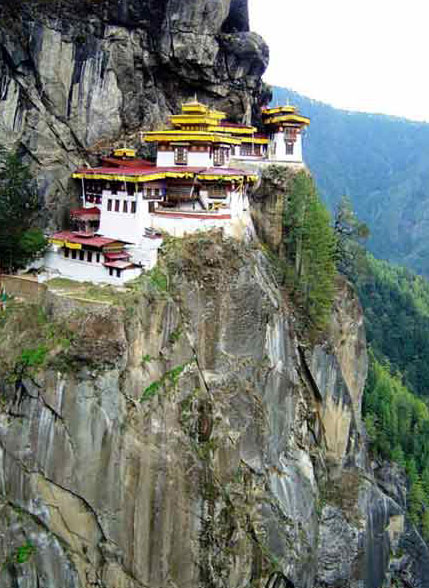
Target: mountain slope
[382,164]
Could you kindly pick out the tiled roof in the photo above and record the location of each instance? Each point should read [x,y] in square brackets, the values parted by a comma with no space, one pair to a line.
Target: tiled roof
[142,171]
[117,255]
[117,162]
[93,241]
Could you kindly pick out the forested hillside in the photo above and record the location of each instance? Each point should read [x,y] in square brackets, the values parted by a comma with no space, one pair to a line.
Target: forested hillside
[396,307]
[396,311]
[382,164]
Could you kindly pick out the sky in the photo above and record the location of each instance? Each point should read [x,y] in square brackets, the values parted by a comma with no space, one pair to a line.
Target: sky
[368,55]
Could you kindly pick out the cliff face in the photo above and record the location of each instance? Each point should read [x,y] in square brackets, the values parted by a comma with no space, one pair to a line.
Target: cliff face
[181,435]
[74,75]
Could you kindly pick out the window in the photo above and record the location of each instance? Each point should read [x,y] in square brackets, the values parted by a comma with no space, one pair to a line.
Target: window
[118,273]
[125,209]
[289,148]
[131,189]
[246,149]
[66,252]
[73,253]
[90,256]
[98,258]
[180,155]
[81,255]
[110,271]
[117,203]
[133,207]
[109,204]
[219,157]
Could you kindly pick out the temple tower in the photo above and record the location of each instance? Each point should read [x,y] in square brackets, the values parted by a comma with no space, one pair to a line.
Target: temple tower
[284,126]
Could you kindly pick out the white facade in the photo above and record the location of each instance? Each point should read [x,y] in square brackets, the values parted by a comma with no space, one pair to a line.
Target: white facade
[195,159]
[281,149]
[178,227]
[124,217]
[146,252]
[201,159]
[56,265]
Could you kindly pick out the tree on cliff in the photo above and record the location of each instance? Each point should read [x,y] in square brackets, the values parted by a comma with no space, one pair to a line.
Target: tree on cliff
[351,233]
[20,242]
[310,251]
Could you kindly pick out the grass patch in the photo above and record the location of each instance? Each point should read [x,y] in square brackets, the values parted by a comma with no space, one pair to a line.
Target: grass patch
[86,290]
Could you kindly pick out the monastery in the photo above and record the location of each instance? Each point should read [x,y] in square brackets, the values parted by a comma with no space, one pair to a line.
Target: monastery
[197,183]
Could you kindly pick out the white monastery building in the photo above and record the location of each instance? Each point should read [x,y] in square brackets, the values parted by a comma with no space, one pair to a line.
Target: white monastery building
[128,203]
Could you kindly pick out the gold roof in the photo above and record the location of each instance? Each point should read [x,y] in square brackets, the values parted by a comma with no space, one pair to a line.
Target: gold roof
[284,115]
[124,152]
[193,136]
[279,110]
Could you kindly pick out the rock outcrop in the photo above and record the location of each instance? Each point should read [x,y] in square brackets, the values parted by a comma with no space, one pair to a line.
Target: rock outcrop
[80,75]
[182,435]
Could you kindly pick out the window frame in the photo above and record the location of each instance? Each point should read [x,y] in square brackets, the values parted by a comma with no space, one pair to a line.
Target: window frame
[181,155]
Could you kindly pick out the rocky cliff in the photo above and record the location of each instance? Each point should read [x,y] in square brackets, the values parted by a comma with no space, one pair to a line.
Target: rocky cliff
[82,74]
[180,434]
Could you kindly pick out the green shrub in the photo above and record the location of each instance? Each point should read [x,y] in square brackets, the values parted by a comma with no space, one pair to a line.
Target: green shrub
[33,357]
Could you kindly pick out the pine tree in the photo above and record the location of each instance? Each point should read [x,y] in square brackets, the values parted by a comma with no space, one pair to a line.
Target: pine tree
[19,241]
[310,251]
[350,233]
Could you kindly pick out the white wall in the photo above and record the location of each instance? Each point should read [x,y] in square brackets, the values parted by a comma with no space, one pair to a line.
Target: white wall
[82,271]
[280,149]
[146,252]
[195,159]
[124,226]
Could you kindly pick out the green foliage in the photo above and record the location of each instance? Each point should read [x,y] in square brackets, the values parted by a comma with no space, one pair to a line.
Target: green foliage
[350,235]
[396,309]
[24,552]
[309,252]
[398,429]
[33,357]
[151,390]
[425,525]
[19,241]
[30,339]
[158,279]
[170,378]
[175,335]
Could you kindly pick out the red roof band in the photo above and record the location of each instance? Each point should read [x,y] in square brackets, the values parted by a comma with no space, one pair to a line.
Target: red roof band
[119,264]
[80,212]
[80,239]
